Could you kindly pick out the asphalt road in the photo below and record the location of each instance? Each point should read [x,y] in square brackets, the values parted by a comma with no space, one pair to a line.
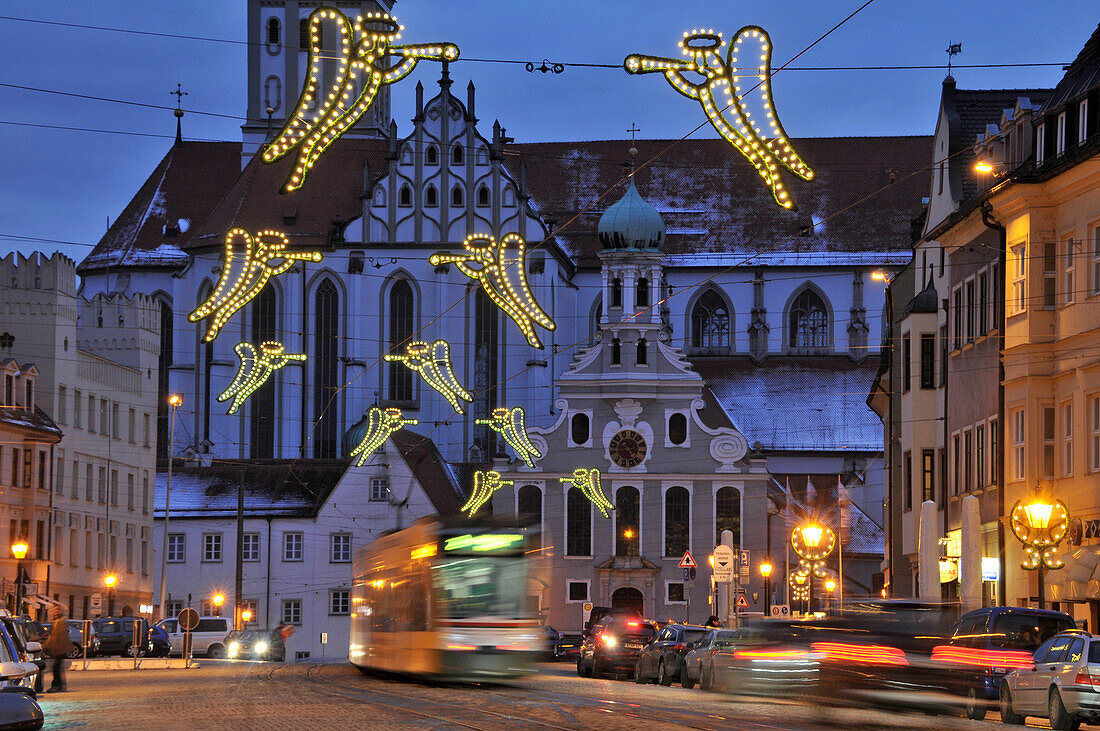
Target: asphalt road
[243,695]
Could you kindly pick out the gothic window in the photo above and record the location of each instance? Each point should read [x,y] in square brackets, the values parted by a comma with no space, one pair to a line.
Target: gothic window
[578,524]
[431,197]
[580,428]
[431,155]
[405,196]
[456,196]
[643,293]
[483,195]
[326,333]
[401,324]
[643,352]
[710,322]
[809,322]
[677,520]
[486,360]
[627,504]
[273,34]
[262,404]
[529,505]
[303,34]
[163,362]
[616,292]
[457,155]
[727,514]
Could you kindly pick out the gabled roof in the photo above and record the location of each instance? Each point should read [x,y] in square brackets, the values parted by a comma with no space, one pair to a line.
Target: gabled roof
[34,421]
[812,404]
[332,192]
[1081,76]
[188,182]
[429,469]
[712,200]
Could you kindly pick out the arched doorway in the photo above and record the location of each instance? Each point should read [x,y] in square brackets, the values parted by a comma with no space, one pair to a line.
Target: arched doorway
[627,598]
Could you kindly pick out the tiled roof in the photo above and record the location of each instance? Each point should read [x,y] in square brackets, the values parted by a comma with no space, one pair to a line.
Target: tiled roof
[37,421]
[712,200]
[1082,75]
[862,533]
[272,487]
[186,185]
[813,404]
[332,193]
[430,470]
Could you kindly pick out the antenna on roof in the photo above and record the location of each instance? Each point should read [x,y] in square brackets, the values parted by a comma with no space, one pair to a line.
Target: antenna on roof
[953,49]
[180,94]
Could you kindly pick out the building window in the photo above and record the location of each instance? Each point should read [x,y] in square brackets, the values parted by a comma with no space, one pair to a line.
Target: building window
[404,196]
[261,412]
[340,548]
[576,591]
[579,428]
[1050,274]
[59,474]
[968,461]
[1067,439]
[402,324]
[979,454]
[457,155]
[379,489]
[326,332]
[809,322]
[616,351]
[212,547]
[578,524]
[710,322]
[907,484]
[971,312]
[1068,271]
[483,196]
[994,465]
[941,454]
[62,403]
[674,592]
[906,362]
[616,292]
[943,356]
[1082,121]
[77,395]
[250,547]
[642,353]
[627,512]
[677,521]
[292,611]
[957,317]
[43,476]
[956,464]
[339,601]
[486,369]
[529,508]
[927,360]
[1060,134]
[292,546]
[983,304]
[1019,275]
[456,193]
[1040,144]
[272,32]
[1048,441]
[164,360]
[642,296]
[727,514]
[431,155]
[1094,433]
[677,428]
[928,475]
[1019,462]
[1095,261]
[431,197]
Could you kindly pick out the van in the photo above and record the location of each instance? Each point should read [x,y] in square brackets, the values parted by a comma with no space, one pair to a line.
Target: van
[987,644]
[207,639]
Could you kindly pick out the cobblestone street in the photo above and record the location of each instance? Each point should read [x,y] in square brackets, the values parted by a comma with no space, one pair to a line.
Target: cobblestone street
[300,695]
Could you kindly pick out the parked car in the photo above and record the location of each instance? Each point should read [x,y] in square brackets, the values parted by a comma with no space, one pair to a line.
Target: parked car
[568,646]
[26,650]
[986,644]
[76,637]
[698,657]
[1060,685]
[15,670]
[116,635]
[159,646]
[256,644]
[662,657]
[208,637]
[19,709]
[612,644]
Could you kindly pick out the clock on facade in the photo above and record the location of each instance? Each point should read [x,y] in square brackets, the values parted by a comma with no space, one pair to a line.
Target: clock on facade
[627,448]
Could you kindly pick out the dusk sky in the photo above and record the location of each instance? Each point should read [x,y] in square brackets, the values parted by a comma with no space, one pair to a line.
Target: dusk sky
[63,185]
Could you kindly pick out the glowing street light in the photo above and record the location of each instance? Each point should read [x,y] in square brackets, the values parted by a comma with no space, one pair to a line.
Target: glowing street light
[830,586]
[19,550]
[766,572]
[246,615]
[218,600]
[110,580]
[1040,526]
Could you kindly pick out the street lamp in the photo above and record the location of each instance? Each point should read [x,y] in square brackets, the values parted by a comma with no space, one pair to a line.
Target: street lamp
[218,599]
[110,580]
[830,586]
[766,572]
[246,615]
[812,542]
[175,401]
[1040,526]
[19,551]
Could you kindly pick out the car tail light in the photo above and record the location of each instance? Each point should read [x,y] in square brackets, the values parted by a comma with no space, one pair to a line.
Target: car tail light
[862,654]
[995,660]
[773,654]
[633,624]
[1083,678]
[514,648]
[679,647]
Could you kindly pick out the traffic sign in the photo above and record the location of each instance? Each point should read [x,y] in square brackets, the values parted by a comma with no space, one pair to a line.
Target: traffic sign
[781,610]
[324,638]
[688,561]
[189,619]
[742,602]
[744,564]
[95,604]
[723,564]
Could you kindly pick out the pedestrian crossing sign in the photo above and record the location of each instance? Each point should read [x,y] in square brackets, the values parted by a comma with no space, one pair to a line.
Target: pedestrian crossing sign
[688,561]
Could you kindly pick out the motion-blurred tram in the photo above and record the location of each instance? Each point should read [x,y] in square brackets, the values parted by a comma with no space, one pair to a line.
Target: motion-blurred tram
[444,600]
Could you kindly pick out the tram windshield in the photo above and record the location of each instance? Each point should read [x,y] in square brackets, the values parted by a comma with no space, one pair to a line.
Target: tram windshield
[480,587]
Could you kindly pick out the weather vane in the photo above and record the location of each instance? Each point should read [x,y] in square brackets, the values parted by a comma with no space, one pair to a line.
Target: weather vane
[953,49]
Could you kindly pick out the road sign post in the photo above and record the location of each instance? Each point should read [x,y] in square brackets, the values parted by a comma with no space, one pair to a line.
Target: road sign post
[744,566]
[189,620]
[724,561]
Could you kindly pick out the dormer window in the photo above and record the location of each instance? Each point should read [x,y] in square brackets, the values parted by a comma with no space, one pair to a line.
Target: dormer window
[28,401]
[1082,121]
[1040,144]
[616,292]
[643,292]
[1060,134]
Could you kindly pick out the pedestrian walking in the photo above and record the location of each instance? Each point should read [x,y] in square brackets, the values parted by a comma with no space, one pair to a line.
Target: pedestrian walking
[57,647]
[713,621]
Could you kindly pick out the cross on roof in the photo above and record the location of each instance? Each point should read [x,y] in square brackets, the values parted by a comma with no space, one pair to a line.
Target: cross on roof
[633,128]
[179,93]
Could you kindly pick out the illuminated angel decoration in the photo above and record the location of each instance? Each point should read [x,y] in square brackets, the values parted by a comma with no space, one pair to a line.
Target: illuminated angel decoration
[509,424]
[722,76]
[381,423]
[363,52]
[433,363]
[245,271]
[501,268]
[588,482]
[485,484]
[255,369]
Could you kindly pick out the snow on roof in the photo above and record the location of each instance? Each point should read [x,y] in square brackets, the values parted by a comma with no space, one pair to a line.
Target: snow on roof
[751,259]
[36,420]
[813,404]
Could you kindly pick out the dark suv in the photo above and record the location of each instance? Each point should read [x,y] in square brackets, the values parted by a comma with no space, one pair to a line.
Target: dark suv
[989,643]
[612,644]
[663,657]
[116,635]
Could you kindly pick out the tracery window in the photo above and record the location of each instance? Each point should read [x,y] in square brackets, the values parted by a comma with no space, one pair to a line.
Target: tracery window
[326,332]
[401,324]
[710,322]
[809,321]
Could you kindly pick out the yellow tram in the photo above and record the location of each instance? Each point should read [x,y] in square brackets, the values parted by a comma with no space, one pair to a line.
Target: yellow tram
[444,600]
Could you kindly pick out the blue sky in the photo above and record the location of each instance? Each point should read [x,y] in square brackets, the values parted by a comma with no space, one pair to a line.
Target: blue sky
[63,185]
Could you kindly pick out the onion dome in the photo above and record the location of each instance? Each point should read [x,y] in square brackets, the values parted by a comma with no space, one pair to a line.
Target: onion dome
[354,436]
[631,222]
[927,300]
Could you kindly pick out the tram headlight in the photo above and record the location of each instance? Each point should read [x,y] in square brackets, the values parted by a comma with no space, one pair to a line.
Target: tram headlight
[261,647]
[234,648]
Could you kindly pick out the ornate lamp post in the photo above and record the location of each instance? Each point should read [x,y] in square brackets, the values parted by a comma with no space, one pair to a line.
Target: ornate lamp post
[110,581]
[1040,526]
[19,551]
[218,599]
[174,401]
[766,572]
[812,543]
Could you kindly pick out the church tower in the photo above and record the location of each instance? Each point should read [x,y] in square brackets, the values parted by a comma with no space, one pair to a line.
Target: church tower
[278,61]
